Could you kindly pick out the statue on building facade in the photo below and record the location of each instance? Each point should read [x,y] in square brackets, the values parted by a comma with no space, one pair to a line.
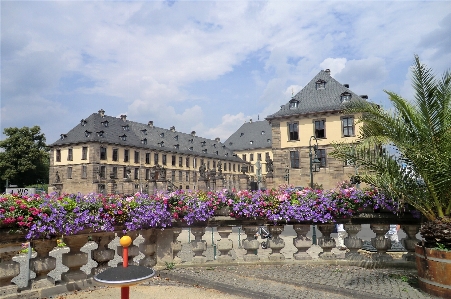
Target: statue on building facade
[202,171]
[57,177]
[219,168]
[269,165]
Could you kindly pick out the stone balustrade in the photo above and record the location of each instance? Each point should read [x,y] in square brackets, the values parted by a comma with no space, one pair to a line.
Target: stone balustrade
[89,253]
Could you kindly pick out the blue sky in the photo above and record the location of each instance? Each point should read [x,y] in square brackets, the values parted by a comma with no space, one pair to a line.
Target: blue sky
[203,65]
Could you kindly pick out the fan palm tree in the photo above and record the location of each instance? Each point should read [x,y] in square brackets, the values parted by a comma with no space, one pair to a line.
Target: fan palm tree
[406,151]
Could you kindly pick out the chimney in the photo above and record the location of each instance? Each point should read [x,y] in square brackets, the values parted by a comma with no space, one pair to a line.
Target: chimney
[172,129]
[327,71]
[193,133]
[102,112]
[217,139]
[150,123]
[346,85]
[364,96]
[123,117]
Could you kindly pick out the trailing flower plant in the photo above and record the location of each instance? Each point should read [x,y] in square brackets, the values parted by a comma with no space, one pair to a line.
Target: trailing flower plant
[50,215]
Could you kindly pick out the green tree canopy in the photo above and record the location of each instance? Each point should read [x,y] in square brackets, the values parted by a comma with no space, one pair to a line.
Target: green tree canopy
[419,171]
[24,160]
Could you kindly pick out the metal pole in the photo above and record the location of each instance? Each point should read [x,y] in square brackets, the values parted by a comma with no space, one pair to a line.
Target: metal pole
[314,241]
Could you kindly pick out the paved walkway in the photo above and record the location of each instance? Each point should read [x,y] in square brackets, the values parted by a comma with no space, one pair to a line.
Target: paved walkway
[288,281]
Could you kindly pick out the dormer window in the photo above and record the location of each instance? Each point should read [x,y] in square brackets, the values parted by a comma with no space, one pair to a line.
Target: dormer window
[144,141]
[268,140]
[345,97]
[83,122]
[63,136]
[230,143]
[126,128]
[214,144]
[203,143]
[241,135]
[87,133]
[191,140]
[191,148]
[123,137]
[223,146]
[226,154]
[293,103]
[176,137]
[161,144]
[263,132]
[104,123]
[204,151]
[161,135]
[320,84]
[177,146]
[144,131]
[251,142]
[217,153]
[100,134]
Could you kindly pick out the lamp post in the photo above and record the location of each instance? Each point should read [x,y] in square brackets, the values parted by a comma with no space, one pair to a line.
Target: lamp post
[313,161]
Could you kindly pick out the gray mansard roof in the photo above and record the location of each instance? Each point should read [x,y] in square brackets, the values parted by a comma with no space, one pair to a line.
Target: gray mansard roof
[313,100]
[93,129]
[251,135]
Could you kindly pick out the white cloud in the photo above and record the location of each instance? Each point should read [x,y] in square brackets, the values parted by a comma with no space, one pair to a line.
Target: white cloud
[335,65]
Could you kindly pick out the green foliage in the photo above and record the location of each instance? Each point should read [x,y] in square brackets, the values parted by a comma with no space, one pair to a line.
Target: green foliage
[419,131]
[169,265]
[25,159]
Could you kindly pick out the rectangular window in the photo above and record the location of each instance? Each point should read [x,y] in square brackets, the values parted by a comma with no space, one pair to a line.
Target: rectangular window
[84,153]
[114,172]
[347,124]
[164,160]
[102,173]
[180,176]
[102,153]
[244,157]
[147,174]
[321,154]
[173,160]
[320,131]
[115,154]
[234,168]
[136,157]
[147,158]
[70,156]
[294,159]
[251,157]
[293,131]
[58,155]
[259,157]
[208,164]
[69,172]
[126,155]
[187,162]
[136,176]
[173,176]
[180,161]
[225,166]
[124,169]
[214,164]
[187,176]
[84,171]
[155,159]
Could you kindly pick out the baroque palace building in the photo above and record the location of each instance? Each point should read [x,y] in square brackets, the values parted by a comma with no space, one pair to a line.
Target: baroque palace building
[252,142]
[313,116]
[114,155]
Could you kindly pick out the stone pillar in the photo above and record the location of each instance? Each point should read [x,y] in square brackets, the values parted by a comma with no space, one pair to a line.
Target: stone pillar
[102,255]
[224,245]
[176,245]
[381,243]
[148,247]
[202,184]
[164,246]
[270,181]
[352,242]
[326,241]
[276,243]
[127,187]
[244,181]
[75,258]
[301,242]
[250,244]
[409,243]
[198,245]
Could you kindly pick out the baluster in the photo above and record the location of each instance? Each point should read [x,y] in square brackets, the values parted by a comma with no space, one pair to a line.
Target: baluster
[326,241]
[8,268]
[21,280]
[148,248]
[276,243]
[43,263]
[88,248]
[352,242]
[410,241]
[250,244]
[60,268]
[381,243]
[176,245]
[75,259]
[224,245]
[114,245]
[198,245]
[102,255]
[301,242]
